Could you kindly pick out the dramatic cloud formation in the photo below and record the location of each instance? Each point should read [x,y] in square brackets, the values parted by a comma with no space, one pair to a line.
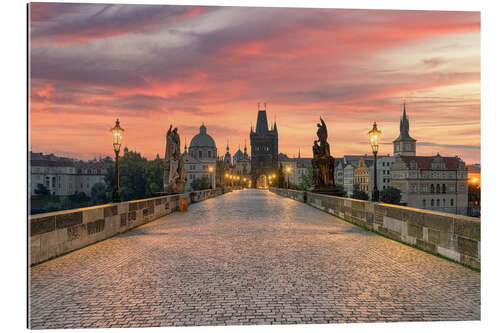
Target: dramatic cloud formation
[153,65]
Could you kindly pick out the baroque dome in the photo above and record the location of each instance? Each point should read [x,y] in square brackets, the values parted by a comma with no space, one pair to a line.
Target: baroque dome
[202,139]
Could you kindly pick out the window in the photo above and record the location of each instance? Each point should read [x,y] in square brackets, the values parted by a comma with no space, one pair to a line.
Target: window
[444,202]
[423,203]
[432,202]
[438,189]
[444,188]
[209,153]
[437,203]
[451,202]
[200,153]
[432,190]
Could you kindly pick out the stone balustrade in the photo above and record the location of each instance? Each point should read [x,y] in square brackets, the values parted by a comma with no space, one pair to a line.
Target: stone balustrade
[57,233]
[456,237]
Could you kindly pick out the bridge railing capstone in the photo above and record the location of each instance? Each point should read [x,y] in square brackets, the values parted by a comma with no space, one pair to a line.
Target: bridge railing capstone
[456,237]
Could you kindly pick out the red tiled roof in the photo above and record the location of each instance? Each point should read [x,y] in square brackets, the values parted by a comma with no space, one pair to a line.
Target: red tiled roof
[424,162]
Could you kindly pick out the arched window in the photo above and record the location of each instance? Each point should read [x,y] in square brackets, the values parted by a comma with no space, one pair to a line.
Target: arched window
[423,203]
[432,188]
[438,189]
[451,202]
[444,202]
[199,153]
[432,202]
[209,154]
[444,188]
[437,203]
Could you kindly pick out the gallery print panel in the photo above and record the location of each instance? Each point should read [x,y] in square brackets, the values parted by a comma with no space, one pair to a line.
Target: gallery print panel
[210,165]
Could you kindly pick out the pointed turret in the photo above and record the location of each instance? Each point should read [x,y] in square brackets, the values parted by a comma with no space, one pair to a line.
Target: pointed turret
[404,145]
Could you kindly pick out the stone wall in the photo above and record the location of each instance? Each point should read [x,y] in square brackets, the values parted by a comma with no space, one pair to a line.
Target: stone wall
[56,233]
[456,237]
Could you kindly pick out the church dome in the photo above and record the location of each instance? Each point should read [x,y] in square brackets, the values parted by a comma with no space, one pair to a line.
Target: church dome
[202,139]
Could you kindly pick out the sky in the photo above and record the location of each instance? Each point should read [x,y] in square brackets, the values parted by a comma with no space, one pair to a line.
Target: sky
[153,65]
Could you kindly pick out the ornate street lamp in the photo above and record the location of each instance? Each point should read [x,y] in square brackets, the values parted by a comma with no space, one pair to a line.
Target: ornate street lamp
[117,133]
[288,171]
[374,142]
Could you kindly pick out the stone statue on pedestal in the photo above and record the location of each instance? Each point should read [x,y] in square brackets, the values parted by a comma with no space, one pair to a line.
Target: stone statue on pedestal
[174,175]
[323,163]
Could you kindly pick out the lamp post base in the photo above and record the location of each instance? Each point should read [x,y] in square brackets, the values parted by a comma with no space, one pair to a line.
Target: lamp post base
[375,196]
[117,196]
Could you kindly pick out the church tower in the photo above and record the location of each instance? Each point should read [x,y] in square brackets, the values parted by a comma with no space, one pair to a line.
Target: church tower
[227,156]
[404,145]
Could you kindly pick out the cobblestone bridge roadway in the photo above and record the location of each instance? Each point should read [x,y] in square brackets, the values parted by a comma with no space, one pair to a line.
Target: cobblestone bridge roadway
[249,257]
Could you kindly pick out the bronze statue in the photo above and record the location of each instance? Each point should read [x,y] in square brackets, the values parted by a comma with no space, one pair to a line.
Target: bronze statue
[323,163]
[174,176]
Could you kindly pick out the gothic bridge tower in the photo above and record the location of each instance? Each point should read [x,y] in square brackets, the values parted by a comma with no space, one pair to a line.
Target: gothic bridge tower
[264,148]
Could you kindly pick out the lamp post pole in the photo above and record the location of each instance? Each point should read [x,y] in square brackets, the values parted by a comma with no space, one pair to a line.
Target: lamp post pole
[212,175]
[116,193]
[374,142]
[288,171]
[117,133]
[375,196]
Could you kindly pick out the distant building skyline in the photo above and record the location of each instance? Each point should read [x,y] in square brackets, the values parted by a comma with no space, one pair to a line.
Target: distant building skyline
[155,65]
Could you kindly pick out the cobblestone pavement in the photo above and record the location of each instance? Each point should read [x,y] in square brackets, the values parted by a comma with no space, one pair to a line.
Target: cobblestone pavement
[248,257]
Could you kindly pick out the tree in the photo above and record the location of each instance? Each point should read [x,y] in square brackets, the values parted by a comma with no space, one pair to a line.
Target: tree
[340,189]
[475,194]
[281,177]
[41,190]
[306,179]
[199,184]
[154,175]
[99,195]
[358,194]
[79,197]
[390,195]
[133,178]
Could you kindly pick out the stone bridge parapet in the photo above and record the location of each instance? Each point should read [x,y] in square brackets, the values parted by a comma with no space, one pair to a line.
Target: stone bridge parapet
[455,237]
[56,233]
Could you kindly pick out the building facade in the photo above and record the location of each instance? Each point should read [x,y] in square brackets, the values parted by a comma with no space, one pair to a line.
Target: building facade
[362,176]
[200,160]
[349,179]
[241,162]
[432,182]
[264,149]
[63,176]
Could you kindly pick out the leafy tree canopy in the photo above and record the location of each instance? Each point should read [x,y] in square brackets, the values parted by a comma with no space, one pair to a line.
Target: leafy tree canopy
[390,195]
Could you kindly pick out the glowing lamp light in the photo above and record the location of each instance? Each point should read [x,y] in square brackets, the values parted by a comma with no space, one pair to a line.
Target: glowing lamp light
[375,135]
[117,133]
[210,169]
[288,169]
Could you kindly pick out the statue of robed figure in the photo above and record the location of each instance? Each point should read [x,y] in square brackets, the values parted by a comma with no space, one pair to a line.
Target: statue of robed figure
[323,163]
[174,175]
